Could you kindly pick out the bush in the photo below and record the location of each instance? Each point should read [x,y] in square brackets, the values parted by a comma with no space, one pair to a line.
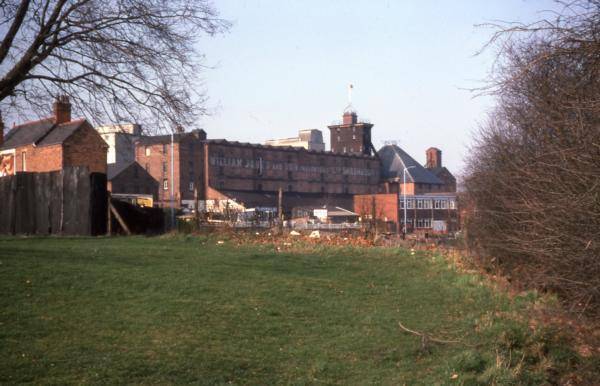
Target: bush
[532,180]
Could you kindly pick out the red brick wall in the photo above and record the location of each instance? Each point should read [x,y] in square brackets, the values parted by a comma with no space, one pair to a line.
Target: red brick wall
[234,166]
[303,176]
[156,160]
[191,167]
[39,159]
[386,206]
[356,138]
[85,147]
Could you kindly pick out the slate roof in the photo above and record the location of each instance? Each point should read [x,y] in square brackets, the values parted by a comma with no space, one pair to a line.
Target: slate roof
[393,162]
[166,138]
[439,170]
[41,133]
[113,170]
[158,139]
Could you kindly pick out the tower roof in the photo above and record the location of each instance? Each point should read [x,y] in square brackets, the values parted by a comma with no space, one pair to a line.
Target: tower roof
[394,160]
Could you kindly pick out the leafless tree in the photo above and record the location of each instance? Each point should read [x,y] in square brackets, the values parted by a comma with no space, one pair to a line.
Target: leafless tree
[533,178]
[118,60]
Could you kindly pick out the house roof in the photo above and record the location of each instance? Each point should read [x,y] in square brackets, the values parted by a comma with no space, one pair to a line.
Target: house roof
[439,170]
[113,170]
[332,211]
[158,139]
[40,133]
[166,138]
[339,212]
[394,160]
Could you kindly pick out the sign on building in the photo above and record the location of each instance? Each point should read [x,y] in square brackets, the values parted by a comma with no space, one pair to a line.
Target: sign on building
[7,163]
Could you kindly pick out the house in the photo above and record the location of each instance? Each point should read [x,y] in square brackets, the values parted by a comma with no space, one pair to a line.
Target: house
[131,179]
[52,143]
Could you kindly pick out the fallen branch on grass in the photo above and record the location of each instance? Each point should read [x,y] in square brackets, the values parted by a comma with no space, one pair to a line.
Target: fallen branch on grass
[425,339]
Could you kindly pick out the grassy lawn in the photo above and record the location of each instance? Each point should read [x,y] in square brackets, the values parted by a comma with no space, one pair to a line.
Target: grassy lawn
[187,310]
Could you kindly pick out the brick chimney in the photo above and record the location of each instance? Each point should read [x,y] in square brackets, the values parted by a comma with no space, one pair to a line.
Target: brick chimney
[434,158]
[62,109]
[349,118]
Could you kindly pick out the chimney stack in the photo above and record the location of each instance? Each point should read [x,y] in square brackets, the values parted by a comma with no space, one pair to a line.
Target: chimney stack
[349,118]
[62,109]
[434,158]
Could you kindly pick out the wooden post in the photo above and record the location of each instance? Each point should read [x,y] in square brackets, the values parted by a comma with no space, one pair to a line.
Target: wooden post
[197,205]
[206,170]
[280,207]
[120,220]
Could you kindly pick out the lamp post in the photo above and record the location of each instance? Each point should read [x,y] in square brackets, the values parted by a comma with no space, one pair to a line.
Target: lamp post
[404,192]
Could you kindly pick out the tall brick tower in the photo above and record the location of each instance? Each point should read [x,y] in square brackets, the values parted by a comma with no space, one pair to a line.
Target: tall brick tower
[351,136]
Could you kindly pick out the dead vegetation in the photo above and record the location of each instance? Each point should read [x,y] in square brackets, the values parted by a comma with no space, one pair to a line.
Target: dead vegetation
[533,176]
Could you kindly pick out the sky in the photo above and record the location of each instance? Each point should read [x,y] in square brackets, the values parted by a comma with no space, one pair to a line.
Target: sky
[285,65]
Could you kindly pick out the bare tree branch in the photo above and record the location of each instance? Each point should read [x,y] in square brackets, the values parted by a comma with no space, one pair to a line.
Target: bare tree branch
[118,60]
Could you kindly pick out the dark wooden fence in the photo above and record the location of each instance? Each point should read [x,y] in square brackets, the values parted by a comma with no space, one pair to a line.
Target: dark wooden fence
[139,220]
[67,202]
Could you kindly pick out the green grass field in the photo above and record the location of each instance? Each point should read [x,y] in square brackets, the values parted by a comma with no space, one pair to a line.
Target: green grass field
[186,310]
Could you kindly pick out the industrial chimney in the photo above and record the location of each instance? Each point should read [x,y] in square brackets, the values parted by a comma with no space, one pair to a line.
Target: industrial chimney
[434,158]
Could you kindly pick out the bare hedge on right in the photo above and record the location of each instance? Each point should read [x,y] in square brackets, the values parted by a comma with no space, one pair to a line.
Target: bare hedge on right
[533,176]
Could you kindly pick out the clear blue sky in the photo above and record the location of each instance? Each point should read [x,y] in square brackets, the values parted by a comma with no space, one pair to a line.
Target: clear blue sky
[285,65]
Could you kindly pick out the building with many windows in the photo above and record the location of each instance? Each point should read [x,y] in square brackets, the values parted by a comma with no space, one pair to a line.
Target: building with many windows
[431,205]
[189,170]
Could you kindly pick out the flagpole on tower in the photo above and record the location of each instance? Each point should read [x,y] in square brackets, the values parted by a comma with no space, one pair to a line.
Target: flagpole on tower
[350,87]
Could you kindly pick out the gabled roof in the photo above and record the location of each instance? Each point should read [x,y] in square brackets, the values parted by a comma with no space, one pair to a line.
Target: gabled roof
[60,133]
[339,212]
[113,170]
[40,133]
[393,162]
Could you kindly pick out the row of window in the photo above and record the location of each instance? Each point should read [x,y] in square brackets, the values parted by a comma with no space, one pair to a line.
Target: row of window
[166,185]
[340,138]
[428,203]
[259,187]
[418,223]
[165,149]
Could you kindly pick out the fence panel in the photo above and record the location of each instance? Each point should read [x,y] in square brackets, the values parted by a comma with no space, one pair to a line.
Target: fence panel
[42,189]
[71,202]
[25,204]
[76,201]
[98,204]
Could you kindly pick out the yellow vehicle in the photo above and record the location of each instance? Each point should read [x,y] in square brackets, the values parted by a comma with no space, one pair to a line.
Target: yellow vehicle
[143,200]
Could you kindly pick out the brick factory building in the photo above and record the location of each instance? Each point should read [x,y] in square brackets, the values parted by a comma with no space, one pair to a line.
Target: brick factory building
[52,143]
[430,193]
[249,174]
[187,170]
